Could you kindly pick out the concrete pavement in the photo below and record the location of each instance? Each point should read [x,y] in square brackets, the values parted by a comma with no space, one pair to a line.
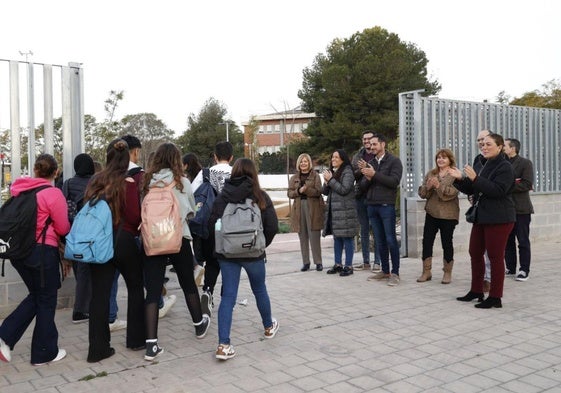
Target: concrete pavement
[337,334]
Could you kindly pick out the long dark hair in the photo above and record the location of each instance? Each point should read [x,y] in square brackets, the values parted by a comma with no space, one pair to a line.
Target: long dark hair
[246,167]
[167,156]
[346,161]
[110,182]
[193,165]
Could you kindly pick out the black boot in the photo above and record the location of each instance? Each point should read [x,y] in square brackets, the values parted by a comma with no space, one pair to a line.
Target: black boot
[305,268]
[490,302]
[470,296]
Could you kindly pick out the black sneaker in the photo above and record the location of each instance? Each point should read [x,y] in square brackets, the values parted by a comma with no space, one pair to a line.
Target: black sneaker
[347,271]
[80,317]
[319,267]
[207,303]
[153,351]
[335,269]
[522,276]
[305,267]
[202,328]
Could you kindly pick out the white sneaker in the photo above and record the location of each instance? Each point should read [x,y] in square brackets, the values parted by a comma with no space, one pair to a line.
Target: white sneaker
[225,352]
[60,355]
[199,274]
[5,353]
[272,330]
[169,301]
[117,325]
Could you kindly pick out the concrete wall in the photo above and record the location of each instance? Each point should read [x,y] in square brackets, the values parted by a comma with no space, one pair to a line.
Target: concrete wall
[546,224]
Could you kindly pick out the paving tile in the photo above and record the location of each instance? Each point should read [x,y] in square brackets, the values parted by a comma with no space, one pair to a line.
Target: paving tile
[336,335]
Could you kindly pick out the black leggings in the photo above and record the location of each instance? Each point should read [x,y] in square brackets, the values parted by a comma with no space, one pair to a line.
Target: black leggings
[154,271]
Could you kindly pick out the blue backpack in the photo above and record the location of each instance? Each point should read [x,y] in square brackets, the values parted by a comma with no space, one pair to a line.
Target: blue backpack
[204,199]
[91,236]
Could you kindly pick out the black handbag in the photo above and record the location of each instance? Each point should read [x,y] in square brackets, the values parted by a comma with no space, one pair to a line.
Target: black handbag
[471,214]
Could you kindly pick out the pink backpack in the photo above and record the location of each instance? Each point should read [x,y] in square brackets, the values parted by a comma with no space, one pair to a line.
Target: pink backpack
[162,226]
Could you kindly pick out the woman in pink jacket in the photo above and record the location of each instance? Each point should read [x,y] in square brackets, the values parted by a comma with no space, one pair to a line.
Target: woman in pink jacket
[40,271]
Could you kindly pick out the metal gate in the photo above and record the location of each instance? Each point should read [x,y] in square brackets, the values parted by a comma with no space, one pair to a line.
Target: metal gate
[70,106]
[429,124]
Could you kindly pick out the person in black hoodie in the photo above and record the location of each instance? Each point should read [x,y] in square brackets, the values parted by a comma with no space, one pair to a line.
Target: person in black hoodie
[73,190]
[244,183]
[491,187]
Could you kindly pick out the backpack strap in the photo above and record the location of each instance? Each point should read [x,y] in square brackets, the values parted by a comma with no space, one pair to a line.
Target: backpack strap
[206,175]
[43,236]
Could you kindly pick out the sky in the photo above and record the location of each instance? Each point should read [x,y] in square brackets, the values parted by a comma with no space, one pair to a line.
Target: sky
[170,57]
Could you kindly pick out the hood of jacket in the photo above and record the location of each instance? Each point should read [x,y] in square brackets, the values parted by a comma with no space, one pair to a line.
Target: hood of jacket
[164,175]
[28,183]
[237,189]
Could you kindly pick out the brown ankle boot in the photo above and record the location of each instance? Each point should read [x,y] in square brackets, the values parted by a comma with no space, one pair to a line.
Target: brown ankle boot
[447,268]
[427,266]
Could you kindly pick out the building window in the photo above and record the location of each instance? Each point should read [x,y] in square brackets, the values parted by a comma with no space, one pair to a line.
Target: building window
[261,129]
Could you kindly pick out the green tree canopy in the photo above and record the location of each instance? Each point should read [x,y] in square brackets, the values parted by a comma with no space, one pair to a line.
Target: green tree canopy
[355,85]
[208,128]
[548,97]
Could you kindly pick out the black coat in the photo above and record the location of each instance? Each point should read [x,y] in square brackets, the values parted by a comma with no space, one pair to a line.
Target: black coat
[523,184]
[237,190]
[493,188]
[382,188]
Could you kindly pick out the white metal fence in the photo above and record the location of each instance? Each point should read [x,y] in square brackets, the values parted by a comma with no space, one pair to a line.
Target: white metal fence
[58,95]
[429,124]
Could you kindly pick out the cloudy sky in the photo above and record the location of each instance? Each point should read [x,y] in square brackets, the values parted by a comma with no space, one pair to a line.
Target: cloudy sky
[171,56]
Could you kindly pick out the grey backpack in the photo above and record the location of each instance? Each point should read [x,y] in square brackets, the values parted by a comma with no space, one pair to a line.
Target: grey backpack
[239,233]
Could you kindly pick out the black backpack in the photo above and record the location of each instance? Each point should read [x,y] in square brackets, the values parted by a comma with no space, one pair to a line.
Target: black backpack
[74,205]
[204,199]
[18,222]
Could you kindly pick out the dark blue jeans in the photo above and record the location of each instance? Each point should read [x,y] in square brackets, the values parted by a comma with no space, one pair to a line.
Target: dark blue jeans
[40,304]
[382,219]
[340,243]
[362,210]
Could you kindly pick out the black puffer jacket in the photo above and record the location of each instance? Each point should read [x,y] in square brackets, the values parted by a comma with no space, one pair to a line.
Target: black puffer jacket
[237,190]
[74,189]
[492,187]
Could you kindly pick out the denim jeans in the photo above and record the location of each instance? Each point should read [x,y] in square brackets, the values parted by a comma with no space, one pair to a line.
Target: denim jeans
[382,219]
[113,308]
[231,271]
[362,211]
[348,244]
[39,304]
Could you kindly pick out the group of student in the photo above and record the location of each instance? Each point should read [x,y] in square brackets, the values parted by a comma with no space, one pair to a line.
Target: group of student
[123,188]
[362,194]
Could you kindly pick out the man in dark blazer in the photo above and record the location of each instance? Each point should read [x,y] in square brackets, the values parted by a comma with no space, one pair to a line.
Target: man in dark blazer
[523,184]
